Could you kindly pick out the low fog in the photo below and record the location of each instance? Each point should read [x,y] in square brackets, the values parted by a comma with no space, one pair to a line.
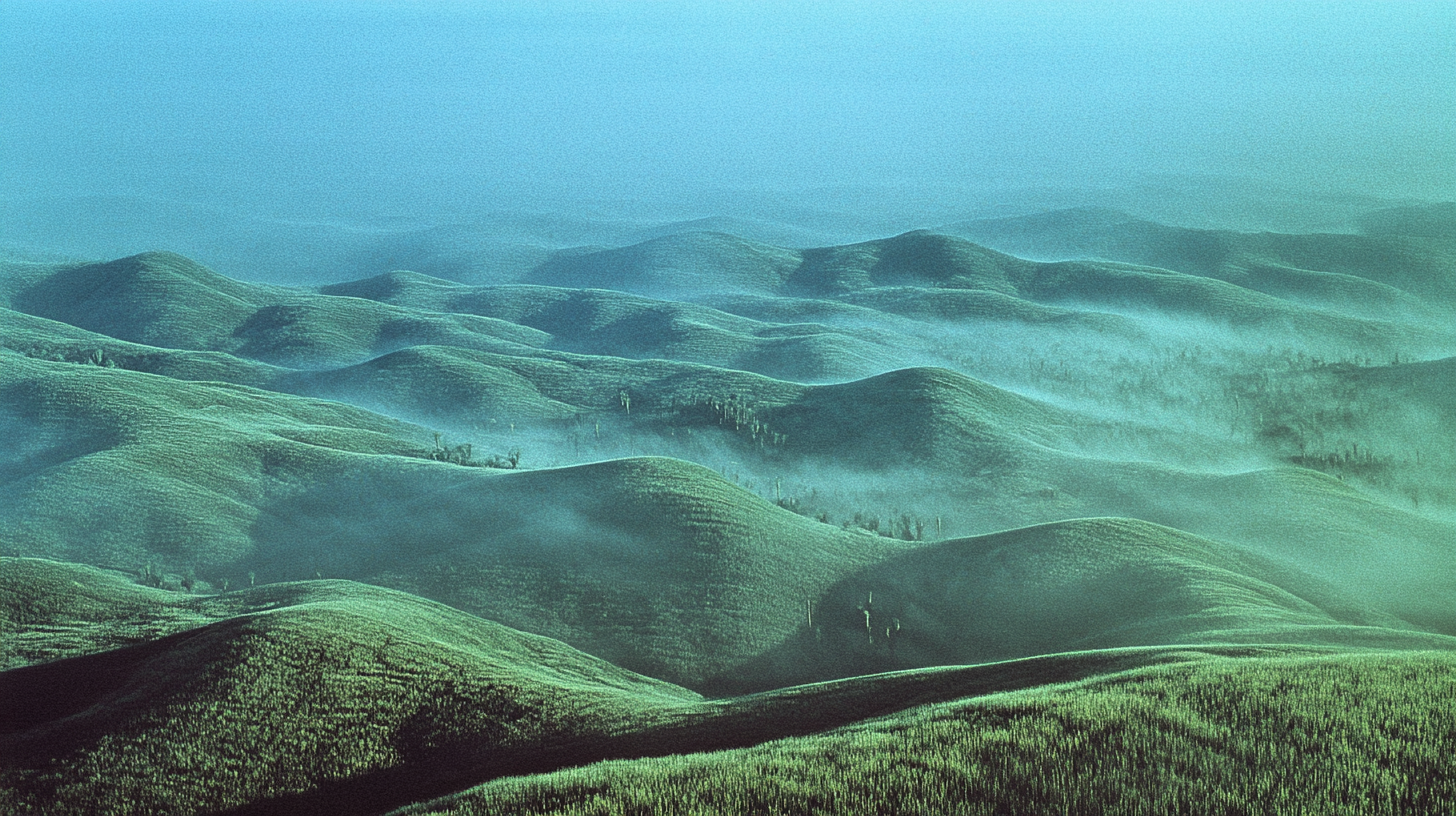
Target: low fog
[223,129]
[306,143]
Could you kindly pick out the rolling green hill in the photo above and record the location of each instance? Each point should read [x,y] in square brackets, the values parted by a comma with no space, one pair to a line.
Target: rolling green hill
[332,697]
[163,299]
[603,322]
[326,695]
[1071,586]
[1361,734]
[943,529]
[659,565]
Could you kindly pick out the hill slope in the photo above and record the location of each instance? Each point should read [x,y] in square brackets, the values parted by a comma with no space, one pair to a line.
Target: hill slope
[327,695]
[164,299]
[1170,740]
[834,482]
[1382,264]
[331,697]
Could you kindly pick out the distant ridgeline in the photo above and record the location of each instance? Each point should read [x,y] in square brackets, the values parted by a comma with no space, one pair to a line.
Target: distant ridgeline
[1154,511]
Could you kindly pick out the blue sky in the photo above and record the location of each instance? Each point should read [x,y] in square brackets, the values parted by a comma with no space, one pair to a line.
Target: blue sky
[395,106]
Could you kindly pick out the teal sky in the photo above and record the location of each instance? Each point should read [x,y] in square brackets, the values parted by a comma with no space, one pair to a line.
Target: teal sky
[408,106]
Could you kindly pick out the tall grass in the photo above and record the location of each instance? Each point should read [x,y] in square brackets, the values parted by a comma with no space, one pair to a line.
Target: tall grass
[1348,735]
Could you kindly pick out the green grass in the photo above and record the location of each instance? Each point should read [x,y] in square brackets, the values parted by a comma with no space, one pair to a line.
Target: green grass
[663,566]
[1144,597]
[332,697]
[346,695]
[1338,735]
[164,299]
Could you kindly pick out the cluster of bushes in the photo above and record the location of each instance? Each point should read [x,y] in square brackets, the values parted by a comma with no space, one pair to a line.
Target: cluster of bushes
[73,354]
[733,413]
[907,526]
[462,455]
[1352,461]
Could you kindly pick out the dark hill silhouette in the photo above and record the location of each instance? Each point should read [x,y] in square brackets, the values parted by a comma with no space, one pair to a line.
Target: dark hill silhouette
[751,229]
[923,258]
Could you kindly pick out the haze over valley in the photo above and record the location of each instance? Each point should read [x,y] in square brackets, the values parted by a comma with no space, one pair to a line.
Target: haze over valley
[549,439]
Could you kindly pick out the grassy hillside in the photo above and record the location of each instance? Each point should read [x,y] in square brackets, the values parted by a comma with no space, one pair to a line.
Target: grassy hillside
[916,417]
[659,565]
[321,697]
[163,299]
[1071,586]
[119,467]
[225,482]
[1360,734]
[603,322]
[1122,529]
[332,697]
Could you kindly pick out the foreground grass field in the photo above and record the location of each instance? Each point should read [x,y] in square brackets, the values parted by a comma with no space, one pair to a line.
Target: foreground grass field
[1357,734]
[332,697]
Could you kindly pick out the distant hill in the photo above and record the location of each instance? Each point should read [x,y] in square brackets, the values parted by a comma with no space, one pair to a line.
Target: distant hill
[604,322]
[162,299]
[752,229]
[678,266]
[1432,221]
[1330,266]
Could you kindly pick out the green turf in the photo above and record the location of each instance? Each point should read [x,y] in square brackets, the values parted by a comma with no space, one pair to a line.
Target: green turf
[1144,528]
[1338,735]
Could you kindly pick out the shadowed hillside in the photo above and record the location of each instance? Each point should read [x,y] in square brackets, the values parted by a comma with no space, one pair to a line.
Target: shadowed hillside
[348,696]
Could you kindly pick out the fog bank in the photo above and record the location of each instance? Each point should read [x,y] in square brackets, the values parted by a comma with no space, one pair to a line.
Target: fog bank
[433,110]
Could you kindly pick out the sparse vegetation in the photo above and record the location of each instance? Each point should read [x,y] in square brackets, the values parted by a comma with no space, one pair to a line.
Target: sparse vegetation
[462,455]
[734,413]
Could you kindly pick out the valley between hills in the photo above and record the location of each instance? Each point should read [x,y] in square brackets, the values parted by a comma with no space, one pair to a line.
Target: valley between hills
[1073,512]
